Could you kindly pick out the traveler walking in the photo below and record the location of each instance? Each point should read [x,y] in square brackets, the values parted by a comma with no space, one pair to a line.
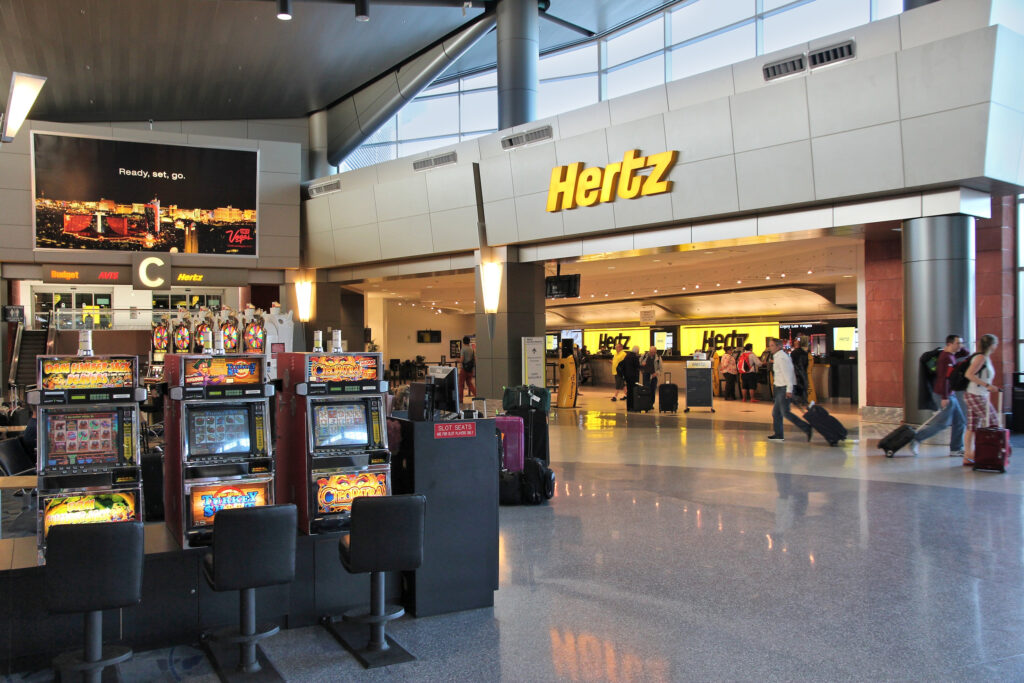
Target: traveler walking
[980,375]
[784,381]
[951,412]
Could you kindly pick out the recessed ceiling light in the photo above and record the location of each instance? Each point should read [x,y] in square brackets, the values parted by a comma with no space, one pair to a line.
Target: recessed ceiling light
[783,275]
[697,287]
[684,289]
[591,296]
[456,302]
[847,276]
[606,293]
[767,277]
[810,272]
[739,282]
[399,303]
[655,291]
[632,292]
[718,284]
[611,267]
[414,305]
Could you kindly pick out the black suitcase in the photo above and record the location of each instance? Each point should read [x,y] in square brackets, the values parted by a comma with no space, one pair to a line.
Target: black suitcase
[668,395]
[535,433]
[643,399]
[535,482]
[826,425]
[897,439]
[510,488]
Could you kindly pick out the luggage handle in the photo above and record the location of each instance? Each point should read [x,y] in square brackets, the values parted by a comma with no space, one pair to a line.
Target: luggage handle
[668,378]
[999,409]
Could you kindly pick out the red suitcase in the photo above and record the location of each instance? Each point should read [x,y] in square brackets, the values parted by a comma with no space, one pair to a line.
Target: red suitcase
[512,436]
[992,445]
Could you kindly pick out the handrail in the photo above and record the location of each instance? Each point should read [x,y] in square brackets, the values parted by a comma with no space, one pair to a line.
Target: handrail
[12,378]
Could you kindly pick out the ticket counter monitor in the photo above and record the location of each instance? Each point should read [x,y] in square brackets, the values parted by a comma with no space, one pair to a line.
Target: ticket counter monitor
[87,412]
[331,435]
[217,441]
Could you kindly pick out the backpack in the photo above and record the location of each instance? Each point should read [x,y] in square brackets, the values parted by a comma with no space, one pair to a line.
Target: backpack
[470,364]
[744,365]
[958,376]
[930,359]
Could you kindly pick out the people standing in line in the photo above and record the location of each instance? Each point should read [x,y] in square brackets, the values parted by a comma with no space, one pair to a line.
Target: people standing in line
[748,364]
[785,379]
[650,366]
[629,369]
[951,411]
[467,370]
[728,369]
[616,361]
[980,411]
[799,357]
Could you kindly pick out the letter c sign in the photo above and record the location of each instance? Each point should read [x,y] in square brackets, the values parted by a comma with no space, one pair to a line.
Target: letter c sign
[151,272]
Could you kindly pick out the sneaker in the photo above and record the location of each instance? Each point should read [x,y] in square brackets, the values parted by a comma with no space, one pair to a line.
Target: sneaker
[957,454]
[776,437]
[915,446]
[614,399]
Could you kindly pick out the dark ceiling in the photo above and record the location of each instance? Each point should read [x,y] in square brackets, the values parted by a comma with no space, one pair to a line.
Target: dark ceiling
[131,60]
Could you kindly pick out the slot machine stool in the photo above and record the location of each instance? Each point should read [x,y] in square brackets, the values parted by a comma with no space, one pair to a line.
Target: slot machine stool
[252,547]
[91,568]
[385,535]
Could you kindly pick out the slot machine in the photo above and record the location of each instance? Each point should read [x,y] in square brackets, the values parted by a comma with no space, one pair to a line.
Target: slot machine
[88,462]
[332,435]
[217,441]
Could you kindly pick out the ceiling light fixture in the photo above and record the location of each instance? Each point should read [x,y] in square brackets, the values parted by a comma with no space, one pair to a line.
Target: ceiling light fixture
[284,10]
[655,291]
[362,10]
[810,272]
[24,91]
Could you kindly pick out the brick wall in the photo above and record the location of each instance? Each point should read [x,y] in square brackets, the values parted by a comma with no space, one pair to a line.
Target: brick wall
[883,334]
[996,286]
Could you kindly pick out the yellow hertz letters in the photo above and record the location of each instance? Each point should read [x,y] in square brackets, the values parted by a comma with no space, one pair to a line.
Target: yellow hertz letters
[573,185]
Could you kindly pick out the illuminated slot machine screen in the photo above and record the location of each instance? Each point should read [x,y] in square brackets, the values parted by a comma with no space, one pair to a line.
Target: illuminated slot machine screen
[88,439]
[335,491]
[117,506]
[337,425]
[206,500]
[219,432]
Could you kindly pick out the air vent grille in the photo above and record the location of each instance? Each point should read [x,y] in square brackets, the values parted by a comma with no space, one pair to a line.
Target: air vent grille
[435,161]
[324,188]
[829,55]
[526,137]
[784,67]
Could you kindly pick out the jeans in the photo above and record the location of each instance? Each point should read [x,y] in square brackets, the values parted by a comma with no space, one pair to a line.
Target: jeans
[953,414]
[782,408]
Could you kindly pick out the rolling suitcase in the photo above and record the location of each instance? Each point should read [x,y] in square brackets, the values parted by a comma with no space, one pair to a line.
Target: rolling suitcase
[992,445]
[643,399]
[512,439]
[668,395]
[826,425]
[897,439]
[535,433]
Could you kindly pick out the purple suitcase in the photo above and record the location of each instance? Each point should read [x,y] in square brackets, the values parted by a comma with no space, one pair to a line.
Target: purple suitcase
[512,436]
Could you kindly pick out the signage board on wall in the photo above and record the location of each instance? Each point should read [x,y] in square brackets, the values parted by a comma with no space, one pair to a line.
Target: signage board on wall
[573,185]
[719,337]
[533,361]
[648,315]
[114,195]
[608,338]
[86,275]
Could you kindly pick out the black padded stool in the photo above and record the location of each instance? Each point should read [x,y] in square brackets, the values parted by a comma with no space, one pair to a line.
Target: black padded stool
[252,547]
[385,535]
[91,568]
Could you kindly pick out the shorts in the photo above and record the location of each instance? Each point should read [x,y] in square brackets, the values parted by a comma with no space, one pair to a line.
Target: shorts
[749,380]
[619,382]
[980,411]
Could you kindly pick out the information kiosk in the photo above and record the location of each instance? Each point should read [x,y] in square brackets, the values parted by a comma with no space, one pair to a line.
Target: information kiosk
[217,441]
[88,447]
[332,435]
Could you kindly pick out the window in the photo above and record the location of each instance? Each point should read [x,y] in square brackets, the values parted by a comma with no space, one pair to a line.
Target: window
[705,16]
[704,55]
[813,20]
[1020,285]
[636,42]
[645,74]
[424,118]
[569,63]
[418,146]
[566,94]
[479,111]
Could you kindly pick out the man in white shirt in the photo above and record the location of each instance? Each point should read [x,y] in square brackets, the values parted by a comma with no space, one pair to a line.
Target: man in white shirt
[785,378]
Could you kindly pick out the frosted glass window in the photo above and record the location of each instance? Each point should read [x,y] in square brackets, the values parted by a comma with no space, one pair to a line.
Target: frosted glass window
[555,97]
[705,16]
[639,41]
[645,74]
[711,53]
[480,110]
[484,80]
[814,20]
[569,63]
[887,8]
[428,118]
[387,133]
[418,146]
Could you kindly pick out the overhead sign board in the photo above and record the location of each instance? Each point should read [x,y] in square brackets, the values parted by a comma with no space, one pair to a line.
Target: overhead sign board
[573,185]
[86,275]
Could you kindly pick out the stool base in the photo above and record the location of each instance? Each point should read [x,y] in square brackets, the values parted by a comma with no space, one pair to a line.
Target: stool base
[354,638]
[224,656]
[71,666]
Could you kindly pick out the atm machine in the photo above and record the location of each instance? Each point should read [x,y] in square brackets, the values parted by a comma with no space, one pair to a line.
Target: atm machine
[331,435]
[217,440]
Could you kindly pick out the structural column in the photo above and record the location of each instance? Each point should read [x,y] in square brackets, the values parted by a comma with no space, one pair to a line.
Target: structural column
[518,55]
[938,293]
[520,314]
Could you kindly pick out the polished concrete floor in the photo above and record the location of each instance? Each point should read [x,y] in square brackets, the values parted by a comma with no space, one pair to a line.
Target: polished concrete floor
[688,548]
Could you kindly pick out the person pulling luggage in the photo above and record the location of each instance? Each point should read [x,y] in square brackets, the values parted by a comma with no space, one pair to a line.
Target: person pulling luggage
[785,378]
[980,375]
[950,410]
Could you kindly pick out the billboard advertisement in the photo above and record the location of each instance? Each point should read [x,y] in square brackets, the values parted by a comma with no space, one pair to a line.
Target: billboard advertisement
[138,196]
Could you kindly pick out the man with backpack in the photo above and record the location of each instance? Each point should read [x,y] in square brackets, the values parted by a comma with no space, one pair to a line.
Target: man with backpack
[747,364]
[951,411]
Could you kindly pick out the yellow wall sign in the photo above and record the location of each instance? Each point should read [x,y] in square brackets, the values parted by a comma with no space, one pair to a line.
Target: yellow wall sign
[608,338]
[573,186]
[718,337]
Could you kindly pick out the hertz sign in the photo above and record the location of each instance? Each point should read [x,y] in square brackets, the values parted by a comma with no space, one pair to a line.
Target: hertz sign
[573,185]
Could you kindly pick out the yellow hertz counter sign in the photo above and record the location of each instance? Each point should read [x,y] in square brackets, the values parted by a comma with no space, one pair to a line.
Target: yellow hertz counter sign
[573,185]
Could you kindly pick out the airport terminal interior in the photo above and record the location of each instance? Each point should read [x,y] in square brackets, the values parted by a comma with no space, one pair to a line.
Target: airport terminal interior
[376,273]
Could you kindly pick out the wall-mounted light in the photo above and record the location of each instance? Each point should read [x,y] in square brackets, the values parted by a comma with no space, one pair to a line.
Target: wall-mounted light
[284,10]
[362,10]
[490,283]
[24,91]
[304,300]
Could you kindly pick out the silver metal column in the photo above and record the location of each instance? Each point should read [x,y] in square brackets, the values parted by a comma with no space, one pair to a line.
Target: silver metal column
[518,55]
[938,293]
[318,166]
